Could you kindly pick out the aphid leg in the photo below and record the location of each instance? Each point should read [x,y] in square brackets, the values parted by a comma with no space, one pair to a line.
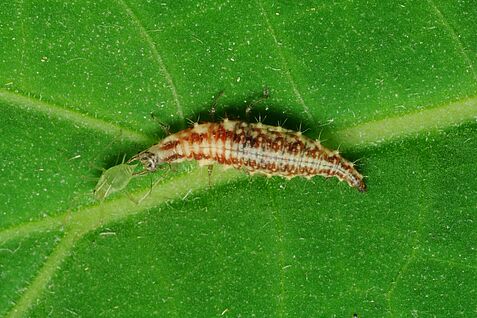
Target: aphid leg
[94,167]
[133,199]
[138,201]
[88,178]
[113,180]
[108,148]
[209,172]
[153,184]
[141,173]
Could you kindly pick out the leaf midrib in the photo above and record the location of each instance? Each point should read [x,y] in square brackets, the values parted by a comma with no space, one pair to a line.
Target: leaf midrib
[364,135]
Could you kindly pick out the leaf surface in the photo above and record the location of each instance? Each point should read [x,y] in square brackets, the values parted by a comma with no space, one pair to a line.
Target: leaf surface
[391,84]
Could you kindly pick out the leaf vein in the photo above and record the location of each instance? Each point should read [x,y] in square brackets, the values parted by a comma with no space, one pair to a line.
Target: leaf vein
[34,104]
[39,282]
[454,36]
[284,61]
[374,132]
[414,252]
[90,218]
[278,221]
[366,134]
[157,57]
[452,263]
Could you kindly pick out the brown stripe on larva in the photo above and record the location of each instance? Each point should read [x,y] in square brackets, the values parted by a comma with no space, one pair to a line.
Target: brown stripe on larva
[170,145]
[256,148]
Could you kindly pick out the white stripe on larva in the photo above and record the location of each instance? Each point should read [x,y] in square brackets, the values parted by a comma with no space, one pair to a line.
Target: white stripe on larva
[186,147]
[229,125]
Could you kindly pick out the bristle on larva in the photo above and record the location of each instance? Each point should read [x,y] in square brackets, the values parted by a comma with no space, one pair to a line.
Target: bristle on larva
[257,148]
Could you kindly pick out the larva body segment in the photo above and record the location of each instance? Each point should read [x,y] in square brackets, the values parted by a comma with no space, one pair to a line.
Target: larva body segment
[257,148]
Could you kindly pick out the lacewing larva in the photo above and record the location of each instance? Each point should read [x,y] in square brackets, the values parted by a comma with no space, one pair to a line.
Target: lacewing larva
[113,180]
[256,148]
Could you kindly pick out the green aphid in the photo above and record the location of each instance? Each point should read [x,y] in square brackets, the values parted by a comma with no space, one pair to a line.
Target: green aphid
[113,180]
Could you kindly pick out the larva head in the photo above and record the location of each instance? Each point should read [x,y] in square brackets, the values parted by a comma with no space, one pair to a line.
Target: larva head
[149,160]
[113,180]
[362,186]
[356,180]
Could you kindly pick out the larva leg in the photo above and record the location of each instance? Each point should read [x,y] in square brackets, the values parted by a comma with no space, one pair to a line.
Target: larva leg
[171,167]
[164,127]
[213,106]
[209,172]
[248,110]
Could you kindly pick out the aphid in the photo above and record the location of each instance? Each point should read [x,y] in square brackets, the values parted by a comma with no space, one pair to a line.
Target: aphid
[113,180]
[257,148]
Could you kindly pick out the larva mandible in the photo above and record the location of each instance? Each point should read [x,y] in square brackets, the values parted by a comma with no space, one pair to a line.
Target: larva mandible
[257,148]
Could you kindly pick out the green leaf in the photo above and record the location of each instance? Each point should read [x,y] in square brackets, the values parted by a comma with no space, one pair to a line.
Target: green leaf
[393,84]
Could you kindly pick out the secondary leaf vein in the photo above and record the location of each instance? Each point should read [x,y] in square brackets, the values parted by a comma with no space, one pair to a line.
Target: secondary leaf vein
[454,37]
[157,57]
[93,217]
[374,132]
[34,104]
[277,217]
[363,135]
[415,249]
[285,67]
[33,291]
